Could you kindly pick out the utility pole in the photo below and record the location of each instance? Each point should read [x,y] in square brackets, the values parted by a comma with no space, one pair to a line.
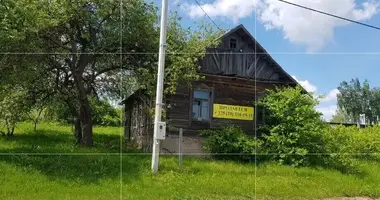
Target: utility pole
[158,125]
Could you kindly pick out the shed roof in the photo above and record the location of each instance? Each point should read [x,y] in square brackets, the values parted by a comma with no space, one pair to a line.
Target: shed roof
[136,95]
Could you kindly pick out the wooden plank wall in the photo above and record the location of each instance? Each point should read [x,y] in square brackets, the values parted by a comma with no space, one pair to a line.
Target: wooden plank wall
[240,64]
[245,61]
[140,123]
[226,90]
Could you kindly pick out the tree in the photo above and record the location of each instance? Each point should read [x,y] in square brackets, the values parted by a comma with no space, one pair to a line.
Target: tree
[341,116]
[366,94]
[356,99]
[375,104]
[91,46]
[13,107]
[35,115]
[350,98]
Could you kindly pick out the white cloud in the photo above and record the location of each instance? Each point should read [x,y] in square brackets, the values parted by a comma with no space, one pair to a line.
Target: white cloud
[299,26]
[232,9]
[327,111]
[328,104]
[307,85]
[331,96]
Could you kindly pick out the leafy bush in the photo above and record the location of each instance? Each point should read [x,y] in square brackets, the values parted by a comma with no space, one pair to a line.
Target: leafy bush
[232,142]
[294,134]
[111,121]
[293,127]
[362,143]
[13,107]
[103,113]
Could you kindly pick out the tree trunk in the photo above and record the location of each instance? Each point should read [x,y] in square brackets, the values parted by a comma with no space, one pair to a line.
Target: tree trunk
[76,121]
[86,123]
[35,125]
[77,131]
[13,130]
[84,111]
[37,118]
[8,127]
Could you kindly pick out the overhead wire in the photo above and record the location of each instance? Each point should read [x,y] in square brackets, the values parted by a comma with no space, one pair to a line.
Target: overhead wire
[303,7]
[199,5]
[329,14]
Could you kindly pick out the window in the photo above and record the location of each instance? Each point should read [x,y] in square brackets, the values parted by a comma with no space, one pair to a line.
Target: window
[233,43]
[201,105]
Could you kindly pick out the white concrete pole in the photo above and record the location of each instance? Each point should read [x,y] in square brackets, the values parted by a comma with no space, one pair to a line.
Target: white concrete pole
[160,85]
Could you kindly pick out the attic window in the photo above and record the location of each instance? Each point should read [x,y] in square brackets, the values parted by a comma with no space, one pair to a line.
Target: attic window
[233,43]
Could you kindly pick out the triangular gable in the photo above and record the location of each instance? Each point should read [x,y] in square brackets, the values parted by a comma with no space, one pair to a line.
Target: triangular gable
[260,49]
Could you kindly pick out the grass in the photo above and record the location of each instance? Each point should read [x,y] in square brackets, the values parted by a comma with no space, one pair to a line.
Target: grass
[56,138]
[114,176]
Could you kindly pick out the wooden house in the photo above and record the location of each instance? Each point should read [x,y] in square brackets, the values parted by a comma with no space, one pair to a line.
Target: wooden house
[236,74]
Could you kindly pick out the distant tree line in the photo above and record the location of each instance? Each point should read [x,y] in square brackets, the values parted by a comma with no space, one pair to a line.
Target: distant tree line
[357,102]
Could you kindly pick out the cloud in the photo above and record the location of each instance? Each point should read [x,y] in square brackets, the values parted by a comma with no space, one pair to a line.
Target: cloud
[307,85]
[331,96]
[327,111]
[232,9]
[299,26]
[328,104]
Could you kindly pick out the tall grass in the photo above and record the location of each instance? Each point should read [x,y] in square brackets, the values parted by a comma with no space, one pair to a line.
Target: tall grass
[103,176]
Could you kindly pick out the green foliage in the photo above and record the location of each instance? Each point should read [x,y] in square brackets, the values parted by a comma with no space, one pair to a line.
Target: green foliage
[232,142]
[13,107]
[103,113]
[350,98]
[341,116]
[293,127]
[357,98]
[347,145]
[97,176]
[58,112]
[80,31]
[185,46]
[295,134]
[363,143]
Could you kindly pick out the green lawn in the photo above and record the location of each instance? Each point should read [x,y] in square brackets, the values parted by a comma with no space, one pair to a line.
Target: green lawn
[99,175]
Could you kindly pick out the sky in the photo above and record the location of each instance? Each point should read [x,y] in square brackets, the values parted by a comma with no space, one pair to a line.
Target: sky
[317,50]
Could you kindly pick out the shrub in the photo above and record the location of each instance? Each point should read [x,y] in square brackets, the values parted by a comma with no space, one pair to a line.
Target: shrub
[111,121]
[231,143]
[295,133]
[362,143]
[293,127]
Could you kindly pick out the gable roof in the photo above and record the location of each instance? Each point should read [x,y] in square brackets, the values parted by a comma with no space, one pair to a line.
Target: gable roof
[258,48]
[140,92]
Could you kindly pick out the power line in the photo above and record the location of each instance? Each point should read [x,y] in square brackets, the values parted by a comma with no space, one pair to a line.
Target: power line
[199,5]
[331,15]
[300,6]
